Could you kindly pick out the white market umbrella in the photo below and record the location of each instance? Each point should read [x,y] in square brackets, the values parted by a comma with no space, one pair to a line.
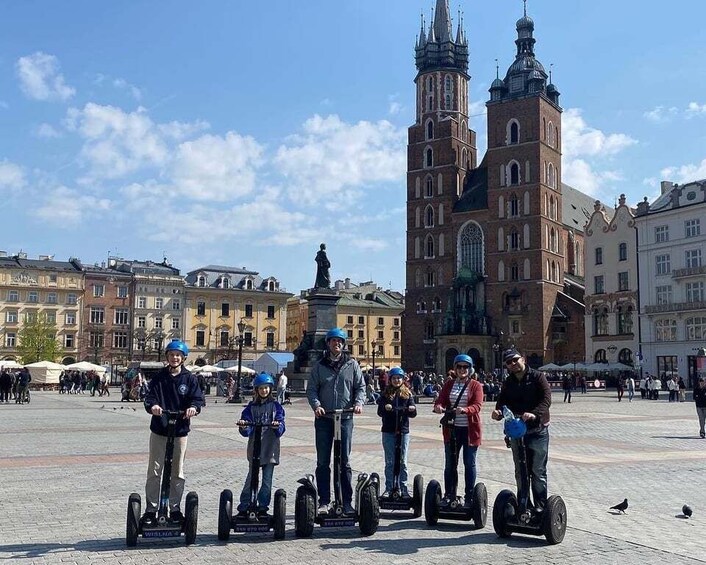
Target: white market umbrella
[206,369]
[9,364]
[550,367]
[85,366]
[243,370]
[45,371]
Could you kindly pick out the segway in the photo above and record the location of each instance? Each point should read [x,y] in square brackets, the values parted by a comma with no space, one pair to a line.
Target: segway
[253,519]
[517,513]
[397,500]
[366,512]
[436,507]
[164,526]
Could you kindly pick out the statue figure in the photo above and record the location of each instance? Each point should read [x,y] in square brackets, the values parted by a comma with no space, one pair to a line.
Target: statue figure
[323,278]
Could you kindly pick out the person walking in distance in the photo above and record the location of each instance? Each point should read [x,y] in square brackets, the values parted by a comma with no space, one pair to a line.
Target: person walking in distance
[566,384]
[282,382]
[700,402]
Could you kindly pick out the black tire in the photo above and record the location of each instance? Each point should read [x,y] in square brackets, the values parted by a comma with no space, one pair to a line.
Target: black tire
[418,495]
[132,528]
[369,512]
[280,513]
[505,507]
[555,520]
[480,506]
[191,517]
[432,501]
[304,512]
[225,515]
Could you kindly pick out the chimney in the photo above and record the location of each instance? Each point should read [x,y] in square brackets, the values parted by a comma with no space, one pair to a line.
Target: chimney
[348,282]
[666,186]
[3,253]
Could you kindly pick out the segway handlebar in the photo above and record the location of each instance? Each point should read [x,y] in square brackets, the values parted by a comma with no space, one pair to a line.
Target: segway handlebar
[173,413]
[249,424]
[338,411]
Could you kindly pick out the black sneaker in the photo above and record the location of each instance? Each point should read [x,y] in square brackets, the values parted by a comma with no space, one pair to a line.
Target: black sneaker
[149,519]
[348,509]
[176,517]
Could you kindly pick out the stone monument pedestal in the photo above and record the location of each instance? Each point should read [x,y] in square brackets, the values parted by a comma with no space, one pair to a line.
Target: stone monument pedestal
[321,305]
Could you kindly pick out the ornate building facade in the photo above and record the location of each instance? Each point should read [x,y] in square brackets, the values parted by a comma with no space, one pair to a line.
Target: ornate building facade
[494,249]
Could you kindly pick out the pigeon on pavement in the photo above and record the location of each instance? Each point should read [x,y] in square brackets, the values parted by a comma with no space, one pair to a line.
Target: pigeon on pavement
[686,510]
[622,507]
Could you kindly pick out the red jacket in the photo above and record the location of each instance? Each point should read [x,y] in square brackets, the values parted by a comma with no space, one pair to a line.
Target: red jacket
[474,394]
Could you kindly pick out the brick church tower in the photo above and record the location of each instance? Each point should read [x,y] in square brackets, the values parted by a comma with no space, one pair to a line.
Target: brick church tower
[489,253]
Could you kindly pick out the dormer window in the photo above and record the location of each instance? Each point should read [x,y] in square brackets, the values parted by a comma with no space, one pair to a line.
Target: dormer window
[201,281]
[248,284]
[224,282]
[271,286]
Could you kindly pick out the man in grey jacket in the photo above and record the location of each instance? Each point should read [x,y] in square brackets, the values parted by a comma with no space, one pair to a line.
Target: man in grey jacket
[336,382]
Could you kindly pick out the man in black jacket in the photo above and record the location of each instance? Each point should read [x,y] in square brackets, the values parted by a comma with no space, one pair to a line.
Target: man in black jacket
[527,393]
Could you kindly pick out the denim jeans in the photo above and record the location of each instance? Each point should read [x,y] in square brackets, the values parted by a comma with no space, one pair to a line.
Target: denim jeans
[281,395]
[451,463]
[701,413]
[323,428]
[264,494]
[537,450]
[388,446]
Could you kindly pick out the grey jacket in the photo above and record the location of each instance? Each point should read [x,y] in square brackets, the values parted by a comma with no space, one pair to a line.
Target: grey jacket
[333,389]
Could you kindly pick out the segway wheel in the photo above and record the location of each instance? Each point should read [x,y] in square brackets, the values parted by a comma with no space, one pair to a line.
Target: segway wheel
[280,513]
[555,520]
[191,517]
[432,501]
[225,515]
[369,511]
[304,513]
[418,495]
[504,508]
[480,506]
[132,528]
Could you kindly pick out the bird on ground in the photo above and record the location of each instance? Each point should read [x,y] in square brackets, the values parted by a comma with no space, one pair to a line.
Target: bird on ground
[622,507]
[102,407]
[134,409]
[686,510]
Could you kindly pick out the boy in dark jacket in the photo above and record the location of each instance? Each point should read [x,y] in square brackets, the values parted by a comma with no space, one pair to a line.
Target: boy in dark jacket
[172,389]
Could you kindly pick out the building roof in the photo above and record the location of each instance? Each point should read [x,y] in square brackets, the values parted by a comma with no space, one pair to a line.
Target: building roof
[20,261]
[236,276]
[475,191]
[576,207]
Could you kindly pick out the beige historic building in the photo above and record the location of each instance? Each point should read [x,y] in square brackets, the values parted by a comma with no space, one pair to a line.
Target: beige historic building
[40,287]
[370,316]
[218,298]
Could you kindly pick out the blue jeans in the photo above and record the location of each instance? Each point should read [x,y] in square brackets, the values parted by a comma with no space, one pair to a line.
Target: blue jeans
[451,464]
[388,446]
[281,395]
[323,428]
[264,494]
[537,453]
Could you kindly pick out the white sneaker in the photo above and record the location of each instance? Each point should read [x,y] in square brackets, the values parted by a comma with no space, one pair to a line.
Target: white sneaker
[323,509]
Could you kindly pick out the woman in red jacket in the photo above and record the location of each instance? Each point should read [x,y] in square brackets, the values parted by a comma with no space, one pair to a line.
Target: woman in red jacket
[461,398]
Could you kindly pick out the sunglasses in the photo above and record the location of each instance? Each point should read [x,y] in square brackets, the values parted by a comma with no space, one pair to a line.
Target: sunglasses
[463,366]
[512,361]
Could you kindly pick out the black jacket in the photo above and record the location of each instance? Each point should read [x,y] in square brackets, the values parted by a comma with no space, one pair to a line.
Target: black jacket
[700,396]
[389,419]
[531,393]
[173,393]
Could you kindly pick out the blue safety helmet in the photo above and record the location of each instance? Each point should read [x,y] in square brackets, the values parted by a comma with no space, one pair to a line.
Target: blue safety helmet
[263,379]
[336,332]
[396,372]
[177,345]
[515,428]
[463,358]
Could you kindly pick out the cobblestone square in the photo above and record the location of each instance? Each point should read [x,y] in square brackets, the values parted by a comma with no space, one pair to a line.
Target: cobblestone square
[69,462]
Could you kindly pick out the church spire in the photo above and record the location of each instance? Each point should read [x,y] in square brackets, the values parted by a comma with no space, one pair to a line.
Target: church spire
[442,21]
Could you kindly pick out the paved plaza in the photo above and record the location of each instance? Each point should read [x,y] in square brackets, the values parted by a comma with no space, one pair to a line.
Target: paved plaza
[68,464]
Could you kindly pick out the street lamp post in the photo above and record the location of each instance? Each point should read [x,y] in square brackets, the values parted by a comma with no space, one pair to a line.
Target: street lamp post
[241,338]
[372,345]
[159,339]
[498,348]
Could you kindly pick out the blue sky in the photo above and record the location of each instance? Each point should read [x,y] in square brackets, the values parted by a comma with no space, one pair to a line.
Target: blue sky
[246,133]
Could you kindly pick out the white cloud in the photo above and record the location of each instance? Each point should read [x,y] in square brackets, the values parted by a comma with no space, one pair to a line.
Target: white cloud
[585,149]
[40,78]
[695,110]
[660,114]
[369,244]
[394,107]
[331,160]
[122,84]
[216,168]
[47,131]
[67,207]
[685,173]
[11,176]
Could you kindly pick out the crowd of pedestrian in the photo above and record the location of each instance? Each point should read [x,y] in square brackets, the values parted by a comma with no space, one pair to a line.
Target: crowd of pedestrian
[14,385]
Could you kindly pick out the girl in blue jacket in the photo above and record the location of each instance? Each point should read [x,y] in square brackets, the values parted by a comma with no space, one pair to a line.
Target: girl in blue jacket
[396,400]
[267,411]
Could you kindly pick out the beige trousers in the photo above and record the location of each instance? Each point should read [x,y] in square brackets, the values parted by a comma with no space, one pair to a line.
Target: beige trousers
[158,446]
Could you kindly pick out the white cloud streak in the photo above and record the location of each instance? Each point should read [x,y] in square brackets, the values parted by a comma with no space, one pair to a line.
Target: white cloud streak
[40,78]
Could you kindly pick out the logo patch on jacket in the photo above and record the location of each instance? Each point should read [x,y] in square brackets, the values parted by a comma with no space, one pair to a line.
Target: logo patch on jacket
[182,389]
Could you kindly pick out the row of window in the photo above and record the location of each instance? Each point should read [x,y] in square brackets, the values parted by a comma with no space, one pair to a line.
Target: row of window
[692,228]
[224,281]
[34,296]
[380,334]
[225,339]
[693,292]
[380,320]
[663,262]
[623,319]
[622,253]
[159,303]
[624,356]
[447,97]
[99,291]
[225,310]
[694,329]
[623,283]
[379,350]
